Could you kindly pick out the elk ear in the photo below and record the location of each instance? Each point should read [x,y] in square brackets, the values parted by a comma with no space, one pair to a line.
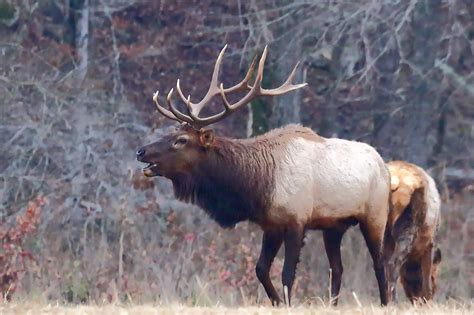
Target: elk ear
[437,256]
[206,137]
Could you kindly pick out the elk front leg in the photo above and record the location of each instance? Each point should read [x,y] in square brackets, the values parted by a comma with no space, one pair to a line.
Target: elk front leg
[293,244]
[426,265]
[394,259]
[332,244]
[271,243]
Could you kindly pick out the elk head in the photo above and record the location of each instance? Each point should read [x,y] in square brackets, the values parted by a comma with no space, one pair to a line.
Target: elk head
[175,153]
[180,151]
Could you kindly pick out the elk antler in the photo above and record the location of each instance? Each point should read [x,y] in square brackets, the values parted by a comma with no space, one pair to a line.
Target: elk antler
[254,90]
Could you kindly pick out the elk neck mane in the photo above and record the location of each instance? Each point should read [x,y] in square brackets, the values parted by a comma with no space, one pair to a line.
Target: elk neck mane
[234,183]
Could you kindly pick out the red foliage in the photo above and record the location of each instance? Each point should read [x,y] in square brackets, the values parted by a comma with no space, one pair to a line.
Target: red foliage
[13,255]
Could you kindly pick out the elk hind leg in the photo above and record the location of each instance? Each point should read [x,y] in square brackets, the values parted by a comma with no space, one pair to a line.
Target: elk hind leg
[374,238]
[332,244]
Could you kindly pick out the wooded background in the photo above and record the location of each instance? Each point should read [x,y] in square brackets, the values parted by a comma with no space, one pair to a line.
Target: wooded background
[76,83]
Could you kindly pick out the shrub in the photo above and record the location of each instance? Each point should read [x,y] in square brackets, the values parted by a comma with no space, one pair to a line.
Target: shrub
[14,257]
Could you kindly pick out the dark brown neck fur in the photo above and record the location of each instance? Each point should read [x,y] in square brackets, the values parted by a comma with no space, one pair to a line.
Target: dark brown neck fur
[234,183]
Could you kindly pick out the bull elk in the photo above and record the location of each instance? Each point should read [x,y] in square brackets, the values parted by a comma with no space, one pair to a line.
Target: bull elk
[414,219]
[287,181]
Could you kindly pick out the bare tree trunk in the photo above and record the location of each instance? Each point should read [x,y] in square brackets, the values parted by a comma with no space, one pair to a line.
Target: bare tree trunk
[117,77]
[82,40]
[286,108]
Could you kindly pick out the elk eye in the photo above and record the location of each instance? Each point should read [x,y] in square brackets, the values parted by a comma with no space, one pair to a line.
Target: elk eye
[181,141]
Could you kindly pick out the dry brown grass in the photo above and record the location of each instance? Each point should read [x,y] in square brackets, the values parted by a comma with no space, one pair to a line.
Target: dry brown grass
[451,307]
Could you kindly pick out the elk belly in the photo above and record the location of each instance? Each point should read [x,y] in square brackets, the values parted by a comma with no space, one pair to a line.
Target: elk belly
[329,180]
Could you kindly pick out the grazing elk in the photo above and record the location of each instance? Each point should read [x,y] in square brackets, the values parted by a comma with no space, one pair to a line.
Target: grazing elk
[287,181]
[414,219]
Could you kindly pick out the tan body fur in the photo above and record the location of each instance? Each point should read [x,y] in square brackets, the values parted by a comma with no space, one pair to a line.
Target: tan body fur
[310,172]
[414,219]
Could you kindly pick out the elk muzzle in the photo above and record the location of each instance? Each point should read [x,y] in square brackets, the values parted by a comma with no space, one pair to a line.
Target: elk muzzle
[140,154]
[151,169]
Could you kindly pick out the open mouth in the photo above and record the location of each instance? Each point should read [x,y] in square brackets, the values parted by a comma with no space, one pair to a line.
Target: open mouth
[150,165]
[150,170]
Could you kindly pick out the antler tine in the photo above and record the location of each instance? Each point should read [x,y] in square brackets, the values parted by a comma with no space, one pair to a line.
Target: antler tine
[180,93]
[285,87]
[224,99]
[215,73]
[261,65]
[163,110]
[176,112]
[243,85]
[190,110]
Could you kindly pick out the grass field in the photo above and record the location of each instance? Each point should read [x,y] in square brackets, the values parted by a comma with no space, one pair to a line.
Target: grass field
[451,307]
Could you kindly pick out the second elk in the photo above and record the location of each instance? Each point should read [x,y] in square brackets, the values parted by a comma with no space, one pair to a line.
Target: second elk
[415,217]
